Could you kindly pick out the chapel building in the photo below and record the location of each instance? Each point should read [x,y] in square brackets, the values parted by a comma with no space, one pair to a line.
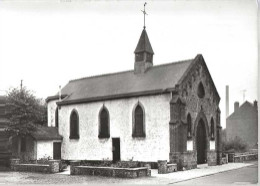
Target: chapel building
[153,112]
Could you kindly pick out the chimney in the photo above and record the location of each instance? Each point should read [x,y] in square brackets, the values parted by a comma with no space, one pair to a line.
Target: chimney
[227,101]
[255,104]
[236,106]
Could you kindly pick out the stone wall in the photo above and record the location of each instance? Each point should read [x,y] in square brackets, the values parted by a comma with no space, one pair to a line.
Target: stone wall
[51,167]
[151,148]
[165,168]
[212,158]
[77,169]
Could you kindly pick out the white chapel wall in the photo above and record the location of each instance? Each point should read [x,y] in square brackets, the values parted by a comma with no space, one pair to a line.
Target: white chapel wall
[153,147]
[51,113]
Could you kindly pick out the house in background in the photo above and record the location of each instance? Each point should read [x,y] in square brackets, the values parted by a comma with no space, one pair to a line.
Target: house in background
[243,123]
[44,142]
[5,140]
[163,112]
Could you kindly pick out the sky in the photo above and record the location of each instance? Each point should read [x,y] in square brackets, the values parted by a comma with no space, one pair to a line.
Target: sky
[49,42]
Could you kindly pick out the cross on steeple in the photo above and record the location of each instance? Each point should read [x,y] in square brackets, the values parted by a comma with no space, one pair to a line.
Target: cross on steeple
[144,12]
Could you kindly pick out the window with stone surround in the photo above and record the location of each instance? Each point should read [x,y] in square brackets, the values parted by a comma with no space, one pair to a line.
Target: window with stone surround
[57,118]
[138,121]
[74,125]
[104,131]
[189,126]
[212,129]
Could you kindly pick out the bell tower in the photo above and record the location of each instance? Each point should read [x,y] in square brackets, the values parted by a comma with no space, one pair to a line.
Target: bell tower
[143,52]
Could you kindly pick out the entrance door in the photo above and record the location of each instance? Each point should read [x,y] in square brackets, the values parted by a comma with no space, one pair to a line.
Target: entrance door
[116,149]
[57,150]
[201,143]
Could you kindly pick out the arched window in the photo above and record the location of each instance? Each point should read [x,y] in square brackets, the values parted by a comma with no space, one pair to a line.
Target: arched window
[104,123]
[201,91]
[189,126]
[138,127]
[212,129]
[57,117]
[74,125]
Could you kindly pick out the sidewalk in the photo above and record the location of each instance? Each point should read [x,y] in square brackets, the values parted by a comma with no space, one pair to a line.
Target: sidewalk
[200,171]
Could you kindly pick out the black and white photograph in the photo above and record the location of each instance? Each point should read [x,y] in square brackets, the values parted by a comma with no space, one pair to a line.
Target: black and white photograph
[129,92]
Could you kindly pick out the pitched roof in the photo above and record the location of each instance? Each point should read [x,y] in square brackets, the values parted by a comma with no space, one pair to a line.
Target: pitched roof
[144,44]
[156,79]
[46,133]
[246,110]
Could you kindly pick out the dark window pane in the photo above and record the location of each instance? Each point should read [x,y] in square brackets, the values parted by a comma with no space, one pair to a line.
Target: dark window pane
[104,124]
[74,125]
[139,120]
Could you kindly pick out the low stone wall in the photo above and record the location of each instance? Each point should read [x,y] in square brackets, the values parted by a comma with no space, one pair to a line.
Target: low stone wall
[77,169]
[164,168]
[185,160]
[246,157]
[241,157]
[51,167]
[123,164]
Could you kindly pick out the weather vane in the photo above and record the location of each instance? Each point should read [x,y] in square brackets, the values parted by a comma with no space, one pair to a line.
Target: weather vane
[144,12]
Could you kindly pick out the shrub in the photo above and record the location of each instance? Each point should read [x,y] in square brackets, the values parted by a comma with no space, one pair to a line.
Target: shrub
[235,145]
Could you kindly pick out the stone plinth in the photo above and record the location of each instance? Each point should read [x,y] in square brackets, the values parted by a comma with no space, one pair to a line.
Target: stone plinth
[54,166]
[73,164]
[162,166]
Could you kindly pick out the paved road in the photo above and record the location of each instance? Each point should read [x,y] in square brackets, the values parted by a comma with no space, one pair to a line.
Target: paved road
[243,176]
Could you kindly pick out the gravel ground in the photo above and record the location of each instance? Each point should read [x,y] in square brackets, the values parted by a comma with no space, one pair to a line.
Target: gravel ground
[37,178]
[9,177]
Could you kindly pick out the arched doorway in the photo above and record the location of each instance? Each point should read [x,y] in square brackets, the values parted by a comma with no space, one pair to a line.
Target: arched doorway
[201,143]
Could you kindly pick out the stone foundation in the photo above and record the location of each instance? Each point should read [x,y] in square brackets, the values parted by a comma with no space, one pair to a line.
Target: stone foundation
[185,161]
[212,158]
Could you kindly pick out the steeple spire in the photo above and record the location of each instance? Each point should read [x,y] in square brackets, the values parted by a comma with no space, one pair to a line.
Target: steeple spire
[143,51]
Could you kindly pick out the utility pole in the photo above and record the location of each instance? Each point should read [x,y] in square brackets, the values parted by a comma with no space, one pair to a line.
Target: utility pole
[21,84]
[244,94]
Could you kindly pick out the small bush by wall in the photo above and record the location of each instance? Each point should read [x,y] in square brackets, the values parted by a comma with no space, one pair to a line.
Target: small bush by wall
[235,145]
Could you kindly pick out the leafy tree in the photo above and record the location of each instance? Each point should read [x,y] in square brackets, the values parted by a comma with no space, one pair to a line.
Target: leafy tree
[24,112]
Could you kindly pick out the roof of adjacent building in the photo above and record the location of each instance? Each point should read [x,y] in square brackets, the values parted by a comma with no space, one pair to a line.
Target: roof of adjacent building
[144,44]
[46,133]
[246,110]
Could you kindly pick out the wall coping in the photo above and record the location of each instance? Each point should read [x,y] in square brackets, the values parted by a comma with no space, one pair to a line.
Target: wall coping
[43,165]
[114,168]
